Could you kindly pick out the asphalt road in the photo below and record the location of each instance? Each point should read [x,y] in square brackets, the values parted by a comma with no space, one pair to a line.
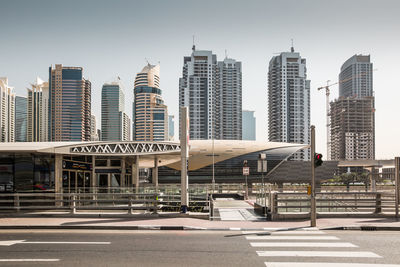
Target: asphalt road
[197,248]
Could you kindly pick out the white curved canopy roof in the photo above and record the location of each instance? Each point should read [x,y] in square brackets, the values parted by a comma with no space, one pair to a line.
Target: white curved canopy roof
[167,153]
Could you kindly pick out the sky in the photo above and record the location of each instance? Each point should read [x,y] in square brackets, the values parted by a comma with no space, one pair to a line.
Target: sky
[115,38]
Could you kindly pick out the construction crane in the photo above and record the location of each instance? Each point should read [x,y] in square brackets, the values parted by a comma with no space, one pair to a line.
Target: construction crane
[327,94]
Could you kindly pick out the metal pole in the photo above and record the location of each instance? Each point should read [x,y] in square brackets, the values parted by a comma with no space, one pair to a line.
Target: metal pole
[313,203]
[396,180]
[184,142]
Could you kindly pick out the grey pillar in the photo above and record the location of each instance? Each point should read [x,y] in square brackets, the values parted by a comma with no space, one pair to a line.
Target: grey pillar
[155,172]
[58,170]
[123,172]
[94,178]
[135,172]
[373,180]
[184,125]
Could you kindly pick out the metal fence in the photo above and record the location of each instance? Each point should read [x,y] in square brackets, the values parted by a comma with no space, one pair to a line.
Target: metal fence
[328,203]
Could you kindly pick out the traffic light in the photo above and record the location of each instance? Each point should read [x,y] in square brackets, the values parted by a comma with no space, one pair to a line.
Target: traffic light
[317,160]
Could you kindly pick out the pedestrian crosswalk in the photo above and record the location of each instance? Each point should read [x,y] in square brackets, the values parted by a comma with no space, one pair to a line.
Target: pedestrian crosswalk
[309,247]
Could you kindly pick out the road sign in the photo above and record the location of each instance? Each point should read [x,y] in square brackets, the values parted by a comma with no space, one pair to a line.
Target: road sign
[262,165]
[246,170]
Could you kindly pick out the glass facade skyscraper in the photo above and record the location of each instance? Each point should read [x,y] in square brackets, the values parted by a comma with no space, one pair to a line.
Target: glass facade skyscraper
[248,125]
[21,117]
[112,109]
[69,104]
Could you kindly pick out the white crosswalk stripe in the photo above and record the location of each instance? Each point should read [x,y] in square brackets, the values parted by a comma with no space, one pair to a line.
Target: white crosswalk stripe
[279,240]
[272,237]
[326,264]
[304,244]
[341,254]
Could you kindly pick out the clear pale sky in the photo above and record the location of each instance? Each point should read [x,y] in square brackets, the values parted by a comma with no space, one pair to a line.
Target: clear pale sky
[113,38]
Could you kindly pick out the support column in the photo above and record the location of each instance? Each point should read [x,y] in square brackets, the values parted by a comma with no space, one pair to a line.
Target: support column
[58,170]
[184,143]
[135,172]
[94,178]
[155,173]
[373,180]
[123,172]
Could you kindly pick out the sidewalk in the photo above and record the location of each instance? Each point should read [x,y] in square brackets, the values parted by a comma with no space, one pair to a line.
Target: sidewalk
[188,223]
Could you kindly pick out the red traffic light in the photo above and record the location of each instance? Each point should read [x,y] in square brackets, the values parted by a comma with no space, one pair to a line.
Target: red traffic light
[317,160]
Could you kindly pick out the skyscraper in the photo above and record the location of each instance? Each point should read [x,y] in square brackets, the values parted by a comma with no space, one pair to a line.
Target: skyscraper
[229,96]
[7,111]
[150,114]
[289,101]
[248,125]
[38,111]
[112,110]
[356,77]
[213,92]
[69,104]
[352,115]
[20,118]
[93,129]
[171,127]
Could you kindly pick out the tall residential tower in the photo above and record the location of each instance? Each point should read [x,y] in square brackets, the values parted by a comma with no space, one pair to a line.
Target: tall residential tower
[213,92]
[289,101]
[38,111]
[7,111]
[150,114]
[69,104]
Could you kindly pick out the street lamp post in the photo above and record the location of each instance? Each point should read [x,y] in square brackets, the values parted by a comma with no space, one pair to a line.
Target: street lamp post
[313,202]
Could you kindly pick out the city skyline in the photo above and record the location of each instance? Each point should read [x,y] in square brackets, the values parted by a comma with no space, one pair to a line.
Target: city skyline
[318,43]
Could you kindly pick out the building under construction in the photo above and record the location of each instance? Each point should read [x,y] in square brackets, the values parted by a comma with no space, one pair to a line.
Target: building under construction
[352,128]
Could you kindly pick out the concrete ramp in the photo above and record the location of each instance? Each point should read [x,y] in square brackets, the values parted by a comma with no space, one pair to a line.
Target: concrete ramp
[228,209]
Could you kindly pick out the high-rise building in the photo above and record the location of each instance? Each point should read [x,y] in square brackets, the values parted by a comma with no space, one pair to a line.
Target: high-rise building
[213,92]
[112,110]
[126,127]
[352,115]
[171,127]
[69,104]
[93,129]
[150,114]
[7,111]
[248,125]
[289,101]
[229,96]
[38,111]
[20,118]
[352,128]
[356,77]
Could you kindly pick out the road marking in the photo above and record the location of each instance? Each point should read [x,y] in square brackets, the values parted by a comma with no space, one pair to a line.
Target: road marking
[304,244]
[1,260]
[326,264]
[339,254]
[286,232]
[13,242]
[269,237]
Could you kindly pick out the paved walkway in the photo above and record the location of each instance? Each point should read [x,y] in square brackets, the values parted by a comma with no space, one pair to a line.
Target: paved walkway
[188,223]
[235,210]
